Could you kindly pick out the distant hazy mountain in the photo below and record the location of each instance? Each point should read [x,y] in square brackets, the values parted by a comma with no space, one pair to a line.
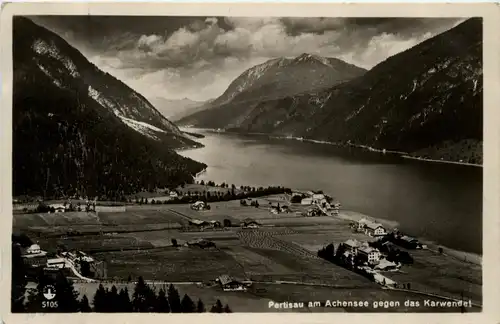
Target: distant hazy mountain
[76,128]
[277,78]
[175,109]
[427,101]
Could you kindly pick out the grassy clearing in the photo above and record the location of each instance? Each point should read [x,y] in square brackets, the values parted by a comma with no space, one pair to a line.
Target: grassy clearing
[140,217]
[443,275]
[164,238]
[173,264]
[55,219]
[93,244]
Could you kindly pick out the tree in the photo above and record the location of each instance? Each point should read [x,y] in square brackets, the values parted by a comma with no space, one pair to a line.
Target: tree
[174,300]
[174,242]
[84,305]
[113,300]
[67,296]
[162,305]
[143,299]
[202,182]
[217,307]
[124,301]
[100,303]
[200,307]
[187,305]
[129,279]
[227,309]
[227,223]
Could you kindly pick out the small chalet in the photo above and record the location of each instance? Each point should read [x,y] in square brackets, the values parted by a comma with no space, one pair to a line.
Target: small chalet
[374,229]
[228,283]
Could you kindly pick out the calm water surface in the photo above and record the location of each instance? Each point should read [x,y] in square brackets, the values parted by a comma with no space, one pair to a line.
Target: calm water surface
[439,202]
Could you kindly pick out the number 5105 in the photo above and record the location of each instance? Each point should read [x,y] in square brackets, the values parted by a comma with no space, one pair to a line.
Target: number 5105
[49,304]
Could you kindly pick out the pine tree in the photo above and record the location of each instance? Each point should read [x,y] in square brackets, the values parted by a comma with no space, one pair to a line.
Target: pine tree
[140,295]
[67,296]
[217,308]
[200,307]
[84,305]
[174,300]
[113,300]
[162,305]
[124,301]
[227,309]
[100,304]
[187,304]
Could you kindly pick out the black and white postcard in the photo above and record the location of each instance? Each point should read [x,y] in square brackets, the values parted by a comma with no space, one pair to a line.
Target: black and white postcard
[262,159]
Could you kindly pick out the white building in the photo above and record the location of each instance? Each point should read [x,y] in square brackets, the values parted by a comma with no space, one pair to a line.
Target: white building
[372,255]
[374,229]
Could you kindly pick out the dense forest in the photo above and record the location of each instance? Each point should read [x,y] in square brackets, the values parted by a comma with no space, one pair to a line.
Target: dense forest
[66,142]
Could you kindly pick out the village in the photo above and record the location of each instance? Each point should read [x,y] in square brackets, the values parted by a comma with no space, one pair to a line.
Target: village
[222,248]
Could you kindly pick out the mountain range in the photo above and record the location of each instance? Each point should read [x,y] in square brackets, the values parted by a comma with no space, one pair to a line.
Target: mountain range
[425,101]
[175,109]
[79,130]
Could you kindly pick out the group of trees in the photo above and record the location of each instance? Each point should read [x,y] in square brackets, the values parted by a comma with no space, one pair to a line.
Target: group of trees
[105,300]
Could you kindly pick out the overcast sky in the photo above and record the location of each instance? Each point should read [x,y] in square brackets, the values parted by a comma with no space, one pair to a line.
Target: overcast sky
[197,57]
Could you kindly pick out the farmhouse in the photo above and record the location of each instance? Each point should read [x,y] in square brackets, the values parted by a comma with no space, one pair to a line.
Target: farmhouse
[249,223]
[199,205]
[58,208]
[374,229]
[198,223]
[369,254]
[227,283]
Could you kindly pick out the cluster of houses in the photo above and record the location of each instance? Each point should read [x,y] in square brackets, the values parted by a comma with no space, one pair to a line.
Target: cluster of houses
[369,228]
[368,255]
[322,202]
[36,259]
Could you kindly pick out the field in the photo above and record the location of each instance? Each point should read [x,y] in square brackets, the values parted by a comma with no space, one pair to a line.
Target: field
[280,257]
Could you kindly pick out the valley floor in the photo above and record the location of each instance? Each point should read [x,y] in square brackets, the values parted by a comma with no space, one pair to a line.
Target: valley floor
[279,257]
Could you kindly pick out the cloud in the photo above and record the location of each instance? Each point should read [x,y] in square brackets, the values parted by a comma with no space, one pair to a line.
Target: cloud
[197,57]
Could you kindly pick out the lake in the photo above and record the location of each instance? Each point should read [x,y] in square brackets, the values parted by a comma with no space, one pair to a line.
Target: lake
[436,201]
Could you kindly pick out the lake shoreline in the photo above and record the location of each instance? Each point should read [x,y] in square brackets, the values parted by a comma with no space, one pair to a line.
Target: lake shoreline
[404,155]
